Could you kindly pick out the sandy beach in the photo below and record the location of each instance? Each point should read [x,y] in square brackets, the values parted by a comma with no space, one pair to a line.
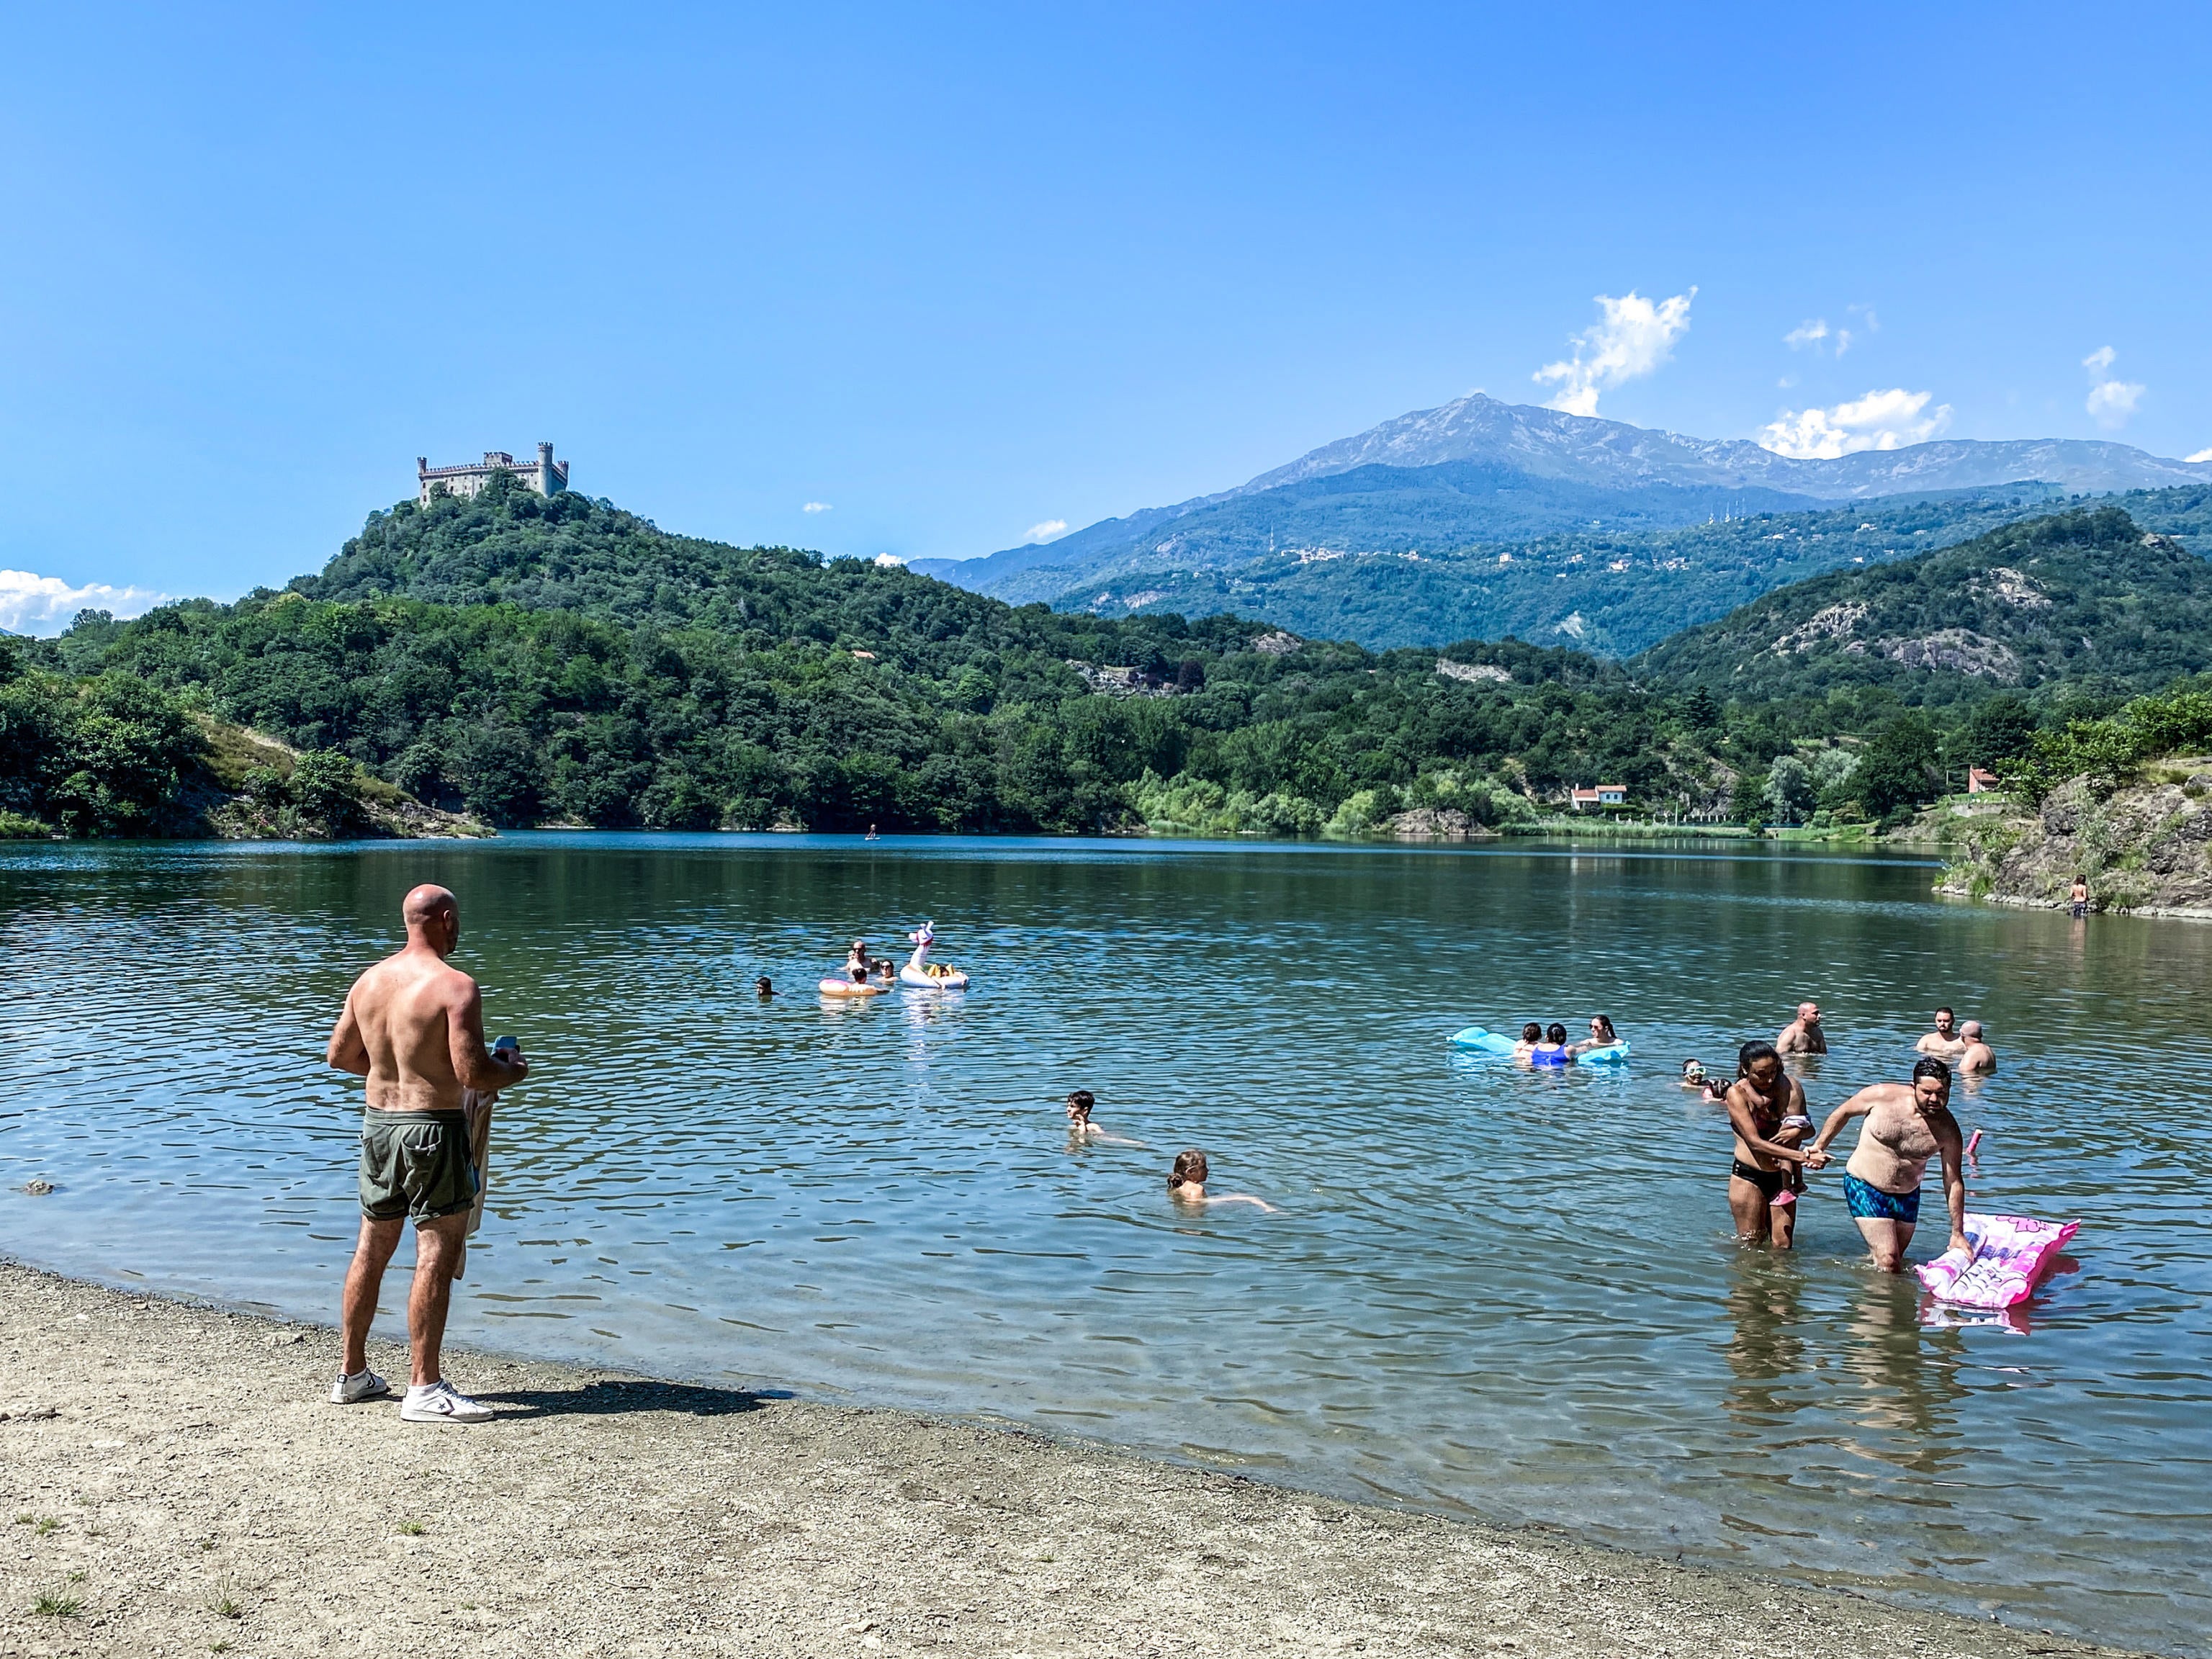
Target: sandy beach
[175,1476]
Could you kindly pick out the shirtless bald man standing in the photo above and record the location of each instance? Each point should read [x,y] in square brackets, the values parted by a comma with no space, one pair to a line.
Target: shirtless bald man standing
[414,1028]
[1907,1124]
[1803,1035]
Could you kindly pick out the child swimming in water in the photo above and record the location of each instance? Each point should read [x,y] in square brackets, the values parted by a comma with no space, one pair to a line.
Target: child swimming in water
[1531,1035]
[1709,1088]
[1187,1184]
[1081,1130]
[1552,1050]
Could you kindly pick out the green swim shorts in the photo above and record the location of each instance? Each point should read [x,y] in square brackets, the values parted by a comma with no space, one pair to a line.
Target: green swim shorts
[416,1164]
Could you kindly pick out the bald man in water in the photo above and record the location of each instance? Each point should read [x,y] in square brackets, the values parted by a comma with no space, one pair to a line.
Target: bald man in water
[1803,1035]
[414,1028]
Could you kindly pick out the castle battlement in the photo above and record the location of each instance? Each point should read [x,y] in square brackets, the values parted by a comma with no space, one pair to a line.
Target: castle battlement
[544,475]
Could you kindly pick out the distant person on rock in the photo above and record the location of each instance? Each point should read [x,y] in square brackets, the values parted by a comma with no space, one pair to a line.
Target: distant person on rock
[1976,1056]
[414,1027]
[1907,1124]
[1803,1035]
[1944,1041]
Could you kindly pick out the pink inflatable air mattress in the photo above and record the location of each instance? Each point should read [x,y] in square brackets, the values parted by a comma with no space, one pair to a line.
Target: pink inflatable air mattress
[2012,1254]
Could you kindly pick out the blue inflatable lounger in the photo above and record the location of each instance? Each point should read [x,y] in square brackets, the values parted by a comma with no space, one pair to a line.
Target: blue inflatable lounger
[1497,1042]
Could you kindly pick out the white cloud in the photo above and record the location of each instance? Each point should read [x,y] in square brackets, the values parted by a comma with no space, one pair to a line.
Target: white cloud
[2112,400]
[1634,338]
[889,558]
[816,506]
[1045,531]
[45,605]
[1812,331]
[1880,420]
[2201,455]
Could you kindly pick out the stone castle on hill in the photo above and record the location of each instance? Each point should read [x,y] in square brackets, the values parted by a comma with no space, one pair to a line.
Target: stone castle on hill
[544,475]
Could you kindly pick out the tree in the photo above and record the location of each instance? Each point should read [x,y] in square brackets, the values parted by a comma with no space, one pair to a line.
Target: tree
[1900,768]
[2002,728]
[1701,711]
[1789,791]
[1747,802]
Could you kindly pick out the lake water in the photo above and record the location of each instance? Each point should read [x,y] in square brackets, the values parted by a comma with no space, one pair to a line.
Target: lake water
[1487,1293]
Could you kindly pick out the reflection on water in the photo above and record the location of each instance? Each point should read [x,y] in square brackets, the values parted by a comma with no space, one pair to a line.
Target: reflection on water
[1488,1292]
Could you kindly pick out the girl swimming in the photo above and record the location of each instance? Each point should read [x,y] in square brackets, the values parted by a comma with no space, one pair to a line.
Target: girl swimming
[1187,1184]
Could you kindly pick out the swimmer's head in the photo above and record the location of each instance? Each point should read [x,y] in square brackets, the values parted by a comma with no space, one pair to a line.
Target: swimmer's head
[1189,1167]
[1555,1032]
[1809,1012]
[1601,1028]
[860,976]
[1931,1082]
[762,986]
[1944,1018]
[1532,1032]
[1758,1059]
[1693,1071]
[1972,1031]
[1080,1104]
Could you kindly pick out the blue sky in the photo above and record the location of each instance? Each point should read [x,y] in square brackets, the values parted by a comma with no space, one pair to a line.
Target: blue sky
[954,273]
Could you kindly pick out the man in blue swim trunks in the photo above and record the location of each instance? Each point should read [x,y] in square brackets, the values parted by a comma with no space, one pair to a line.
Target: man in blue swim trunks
[1907,1124]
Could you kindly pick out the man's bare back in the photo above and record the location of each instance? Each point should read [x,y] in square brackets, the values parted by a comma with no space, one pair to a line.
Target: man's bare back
[416,1022]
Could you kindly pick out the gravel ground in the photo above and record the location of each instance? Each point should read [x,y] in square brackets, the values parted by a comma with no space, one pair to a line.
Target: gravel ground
[177,1483]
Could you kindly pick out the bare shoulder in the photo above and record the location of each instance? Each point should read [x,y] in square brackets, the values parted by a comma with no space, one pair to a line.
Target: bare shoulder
[456,988]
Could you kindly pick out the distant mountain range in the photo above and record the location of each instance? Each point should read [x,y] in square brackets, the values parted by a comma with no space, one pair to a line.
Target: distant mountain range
[1452,488]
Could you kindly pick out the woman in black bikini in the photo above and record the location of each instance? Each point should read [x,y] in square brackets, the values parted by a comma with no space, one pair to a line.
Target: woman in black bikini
[1760,1103]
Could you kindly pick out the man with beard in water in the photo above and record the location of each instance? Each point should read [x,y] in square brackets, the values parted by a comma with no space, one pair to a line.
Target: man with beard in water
[414,1028]
[1907,1124]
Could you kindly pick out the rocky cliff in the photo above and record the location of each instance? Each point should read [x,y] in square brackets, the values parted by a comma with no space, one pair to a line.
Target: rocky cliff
[2146,848]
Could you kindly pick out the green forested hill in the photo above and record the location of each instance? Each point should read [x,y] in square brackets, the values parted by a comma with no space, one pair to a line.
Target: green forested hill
[2085,597]
[529,659]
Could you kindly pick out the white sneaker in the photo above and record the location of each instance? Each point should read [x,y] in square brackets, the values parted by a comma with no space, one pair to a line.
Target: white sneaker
[363,1384]
[441,1402]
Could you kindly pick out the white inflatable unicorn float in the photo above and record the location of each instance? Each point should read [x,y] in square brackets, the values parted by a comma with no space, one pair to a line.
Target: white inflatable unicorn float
[920,971]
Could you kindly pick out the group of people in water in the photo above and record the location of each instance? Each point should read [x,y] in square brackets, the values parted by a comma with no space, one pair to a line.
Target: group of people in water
[1547,1045]
[1777,1141]
[1907,1124]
